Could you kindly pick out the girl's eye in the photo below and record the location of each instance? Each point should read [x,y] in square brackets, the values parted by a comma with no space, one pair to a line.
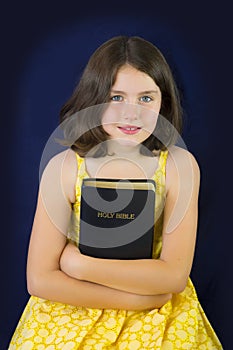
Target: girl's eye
[116,98]
[145,99]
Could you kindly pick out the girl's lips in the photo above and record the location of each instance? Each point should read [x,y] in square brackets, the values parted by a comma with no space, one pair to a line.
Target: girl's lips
[129,130]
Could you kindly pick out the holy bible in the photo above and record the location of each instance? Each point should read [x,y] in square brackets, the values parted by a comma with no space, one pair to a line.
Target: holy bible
[117,218]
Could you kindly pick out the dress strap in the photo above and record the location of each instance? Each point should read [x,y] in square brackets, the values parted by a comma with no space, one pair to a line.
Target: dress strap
[160,180]
[73,231]
[160,173]
[81,175]
[80,164]
[163,160]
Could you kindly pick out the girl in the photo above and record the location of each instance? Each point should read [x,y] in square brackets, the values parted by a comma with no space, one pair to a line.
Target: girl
[82,302]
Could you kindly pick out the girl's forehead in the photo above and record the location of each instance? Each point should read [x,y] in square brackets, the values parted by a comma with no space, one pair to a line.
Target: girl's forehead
[130,77]
[129,70]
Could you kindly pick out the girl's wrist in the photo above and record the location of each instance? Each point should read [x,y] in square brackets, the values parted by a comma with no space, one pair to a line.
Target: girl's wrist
[84,267]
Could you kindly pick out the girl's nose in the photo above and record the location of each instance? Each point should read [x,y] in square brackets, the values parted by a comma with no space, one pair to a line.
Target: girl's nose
[130,111]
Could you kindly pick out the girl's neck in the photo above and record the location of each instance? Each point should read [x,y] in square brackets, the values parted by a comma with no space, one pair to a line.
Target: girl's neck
[117,149]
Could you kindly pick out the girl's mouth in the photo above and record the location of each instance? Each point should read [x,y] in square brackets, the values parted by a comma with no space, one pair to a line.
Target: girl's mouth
[129,130]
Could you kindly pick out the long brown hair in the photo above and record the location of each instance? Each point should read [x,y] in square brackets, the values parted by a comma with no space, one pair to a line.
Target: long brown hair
[95,85]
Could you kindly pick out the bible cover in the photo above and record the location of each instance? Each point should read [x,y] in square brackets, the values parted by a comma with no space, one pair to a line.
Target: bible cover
[117,218]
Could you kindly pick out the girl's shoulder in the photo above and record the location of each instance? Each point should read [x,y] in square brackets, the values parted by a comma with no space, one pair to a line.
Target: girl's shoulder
[66,157]
[63,167]
[181,163]
[179,154]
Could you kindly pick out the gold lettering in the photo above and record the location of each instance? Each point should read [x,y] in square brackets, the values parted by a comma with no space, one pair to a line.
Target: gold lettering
[125,216]
[104,215]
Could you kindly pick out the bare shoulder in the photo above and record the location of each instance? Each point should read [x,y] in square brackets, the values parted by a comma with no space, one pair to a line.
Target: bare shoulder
[181,163]
[176,153]
[63,167]
[64,158]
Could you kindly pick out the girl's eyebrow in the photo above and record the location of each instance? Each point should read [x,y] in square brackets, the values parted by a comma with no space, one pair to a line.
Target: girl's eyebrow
[140,93]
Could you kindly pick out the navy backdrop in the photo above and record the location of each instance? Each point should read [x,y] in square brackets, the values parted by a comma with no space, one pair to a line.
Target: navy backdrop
[44,49]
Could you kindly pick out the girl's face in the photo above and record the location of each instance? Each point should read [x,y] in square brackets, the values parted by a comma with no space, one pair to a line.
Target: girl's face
[134,106]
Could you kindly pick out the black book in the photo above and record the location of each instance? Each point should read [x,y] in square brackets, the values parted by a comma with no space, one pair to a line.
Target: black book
[117,218]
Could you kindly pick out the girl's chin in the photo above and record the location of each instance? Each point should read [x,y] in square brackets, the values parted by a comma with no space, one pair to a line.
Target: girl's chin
[126,142]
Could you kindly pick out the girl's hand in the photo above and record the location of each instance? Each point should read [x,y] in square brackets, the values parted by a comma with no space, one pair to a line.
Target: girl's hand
[71,261]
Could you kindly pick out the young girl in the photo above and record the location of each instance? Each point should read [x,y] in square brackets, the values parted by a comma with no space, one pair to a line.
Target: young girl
[82,302]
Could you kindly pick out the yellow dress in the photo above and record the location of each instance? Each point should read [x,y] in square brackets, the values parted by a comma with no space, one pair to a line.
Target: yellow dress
[180,324]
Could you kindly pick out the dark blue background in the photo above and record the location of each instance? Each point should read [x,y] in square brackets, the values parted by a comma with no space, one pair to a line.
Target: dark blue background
[44,48]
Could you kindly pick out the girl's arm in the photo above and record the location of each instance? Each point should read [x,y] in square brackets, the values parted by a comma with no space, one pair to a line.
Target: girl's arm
[170,272]
[48,240]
